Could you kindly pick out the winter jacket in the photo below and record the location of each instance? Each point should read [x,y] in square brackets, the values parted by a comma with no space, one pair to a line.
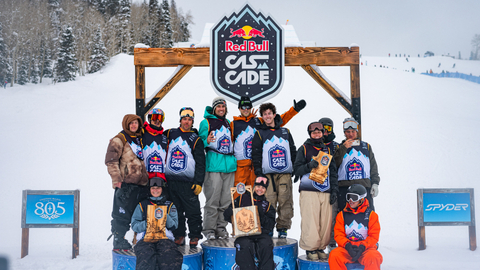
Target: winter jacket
[123,164]
[266,211]
[357,231]
[302,169]
[215,161]
[139,220]
[363,152]
[258,144]
[154,150]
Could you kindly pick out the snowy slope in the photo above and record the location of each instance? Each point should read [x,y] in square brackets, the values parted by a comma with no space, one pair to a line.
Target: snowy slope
[423,131]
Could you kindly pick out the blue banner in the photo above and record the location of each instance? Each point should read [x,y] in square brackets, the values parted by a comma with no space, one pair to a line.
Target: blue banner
[50,209]
[446,207]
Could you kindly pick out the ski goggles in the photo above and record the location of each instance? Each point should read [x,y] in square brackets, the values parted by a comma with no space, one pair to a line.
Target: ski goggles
[187,112]
[313,126]
[350,125]
[157,181]
[327,128]
[245,107]
[355,197]
[157,114]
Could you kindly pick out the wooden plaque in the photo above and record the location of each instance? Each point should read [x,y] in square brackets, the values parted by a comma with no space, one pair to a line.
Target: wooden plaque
[319,174]
[156,223]
[245,220]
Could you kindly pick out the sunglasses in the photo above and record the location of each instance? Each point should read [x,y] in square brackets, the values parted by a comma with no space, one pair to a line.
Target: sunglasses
[328,128]
[350,125]
[245,107]
[313,126]
[187,112]
[354,197]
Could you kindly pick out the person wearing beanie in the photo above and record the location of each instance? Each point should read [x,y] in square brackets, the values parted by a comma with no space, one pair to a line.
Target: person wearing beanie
[328,140]
[315,198]
[273,155]
[243,128]
[155,248]
[260,246]
[356,164]
[221,165]
[357,231]
[124,160]
[185,173]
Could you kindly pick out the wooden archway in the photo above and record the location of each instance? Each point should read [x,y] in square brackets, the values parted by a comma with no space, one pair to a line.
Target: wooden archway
[308,58]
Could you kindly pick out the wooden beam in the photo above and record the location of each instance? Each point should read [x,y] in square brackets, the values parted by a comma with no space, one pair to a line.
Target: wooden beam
[330,90]
[25,235]
[422,245]
[200,57]
[140,91]
[472,238]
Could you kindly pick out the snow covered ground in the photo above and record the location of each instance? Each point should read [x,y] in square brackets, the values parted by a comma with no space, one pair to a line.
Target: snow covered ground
[423,131]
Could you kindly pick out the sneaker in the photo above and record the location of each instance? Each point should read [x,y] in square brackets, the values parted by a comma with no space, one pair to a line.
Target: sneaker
[321,254]
[193,242]
[222,234]
[282,233]
[210,236]
[180,240]
[121,244]
[312,255]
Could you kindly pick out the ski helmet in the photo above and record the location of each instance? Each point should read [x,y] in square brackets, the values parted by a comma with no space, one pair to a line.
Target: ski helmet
[313,126]
[155,114]
[326,121]
[356,192]
[245,102]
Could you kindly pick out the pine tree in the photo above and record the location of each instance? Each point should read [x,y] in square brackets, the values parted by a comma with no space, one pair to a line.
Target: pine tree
[99,53]
[154,15]
[34,71]
[175,20]
[111,7]
[5,66]
[124,35]
[22,77]
[165,26]
[66,67]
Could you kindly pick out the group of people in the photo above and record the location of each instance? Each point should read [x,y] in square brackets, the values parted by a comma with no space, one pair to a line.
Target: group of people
[158,174]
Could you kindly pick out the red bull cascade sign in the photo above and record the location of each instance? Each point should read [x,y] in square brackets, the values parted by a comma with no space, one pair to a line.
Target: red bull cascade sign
[247,56]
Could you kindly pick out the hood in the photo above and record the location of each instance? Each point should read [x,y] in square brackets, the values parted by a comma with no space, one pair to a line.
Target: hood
[127,119]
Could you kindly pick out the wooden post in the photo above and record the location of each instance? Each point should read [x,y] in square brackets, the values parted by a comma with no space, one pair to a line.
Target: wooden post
[140,91]
[473,237]
[421,238]
[25,235]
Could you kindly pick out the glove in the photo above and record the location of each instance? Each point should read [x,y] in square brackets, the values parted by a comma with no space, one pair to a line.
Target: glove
[360,251]
[312,164]
[196,189]
[300,105]
[352,250]
[333,198]
[374,190]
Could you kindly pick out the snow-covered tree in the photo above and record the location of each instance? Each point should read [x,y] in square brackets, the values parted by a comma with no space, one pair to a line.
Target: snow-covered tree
[124,34]
[66,67]
[5,67]
[34,71]
[98,57]
[22,77]
[476,47]
[154,15]
[165,26]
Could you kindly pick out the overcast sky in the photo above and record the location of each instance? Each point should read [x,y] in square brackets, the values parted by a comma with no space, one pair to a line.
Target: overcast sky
[379,27]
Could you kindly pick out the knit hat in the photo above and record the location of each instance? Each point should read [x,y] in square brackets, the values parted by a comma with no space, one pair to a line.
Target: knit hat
[217,101]
[350,123]
[245,101]
[263,183]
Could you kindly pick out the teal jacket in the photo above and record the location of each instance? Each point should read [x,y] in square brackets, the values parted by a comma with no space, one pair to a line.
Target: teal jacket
[215,162]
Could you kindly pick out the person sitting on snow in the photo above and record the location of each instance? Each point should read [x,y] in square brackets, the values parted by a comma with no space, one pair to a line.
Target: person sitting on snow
[357,230]
[153,221]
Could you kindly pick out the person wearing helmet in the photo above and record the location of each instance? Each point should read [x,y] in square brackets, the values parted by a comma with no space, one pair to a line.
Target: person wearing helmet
[315,198]
[221,165]
[357,231]
[328,140]
[185,171]
[155,248]
[356,164]
[124,160]
[243,128]
[259,246]
[155,144]
[273,155]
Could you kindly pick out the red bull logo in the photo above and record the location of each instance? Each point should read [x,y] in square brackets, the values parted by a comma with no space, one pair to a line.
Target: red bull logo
[355,167]
[177,154]
[278,153]
[246,32]
[156,161]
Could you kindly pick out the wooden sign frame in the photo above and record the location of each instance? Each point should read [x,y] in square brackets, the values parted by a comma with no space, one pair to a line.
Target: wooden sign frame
[74,225]
[309,58]
[422,222]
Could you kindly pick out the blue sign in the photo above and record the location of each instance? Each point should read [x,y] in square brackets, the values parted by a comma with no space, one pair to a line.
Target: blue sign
[446,207]
[50,209]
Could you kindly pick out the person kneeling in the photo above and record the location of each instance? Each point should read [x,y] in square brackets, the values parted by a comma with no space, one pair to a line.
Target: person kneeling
[153,221]
[356,232]
[260,245]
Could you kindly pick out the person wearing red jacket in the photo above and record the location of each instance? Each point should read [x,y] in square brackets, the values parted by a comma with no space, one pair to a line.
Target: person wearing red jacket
[357,231]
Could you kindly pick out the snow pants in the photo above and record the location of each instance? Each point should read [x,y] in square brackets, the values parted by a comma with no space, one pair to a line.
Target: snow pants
[248,247]
[162,255]
[188,208]
[279,194]
[316,213]
[370,259]
[334,217]
[124,202]
[342,200]
[244,174]
[217,194]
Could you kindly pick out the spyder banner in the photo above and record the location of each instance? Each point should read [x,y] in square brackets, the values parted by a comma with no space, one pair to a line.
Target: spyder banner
[247,56]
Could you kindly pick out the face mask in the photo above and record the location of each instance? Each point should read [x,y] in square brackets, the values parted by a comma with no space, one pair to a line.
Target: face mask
[317,141]
[330,137]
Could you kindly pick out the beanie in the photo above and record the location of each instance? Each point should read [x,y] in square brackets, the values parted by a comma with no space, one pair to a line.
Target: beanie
[217,101]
